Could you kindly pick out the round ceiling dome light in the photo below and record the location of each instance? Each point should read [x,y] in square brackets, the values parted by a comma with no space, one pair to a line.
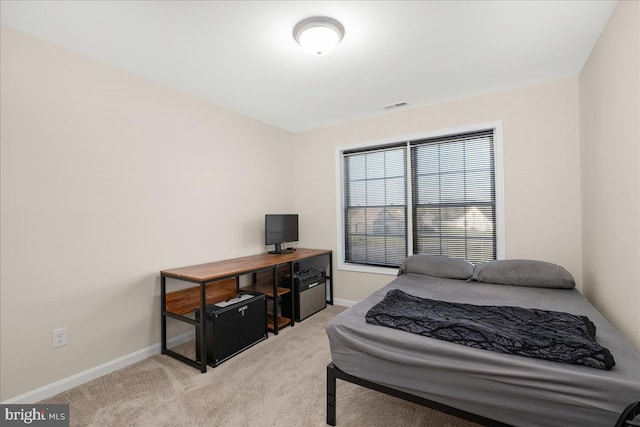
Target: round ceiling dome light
[318,34]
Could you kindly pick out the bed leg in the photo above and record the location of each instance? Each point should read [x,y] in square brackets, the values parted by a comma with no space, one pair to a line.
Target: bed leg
[331,395]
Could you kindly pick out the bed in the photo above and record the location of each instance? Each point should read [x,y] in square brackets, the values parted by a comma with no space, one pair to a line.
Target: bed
[487,387]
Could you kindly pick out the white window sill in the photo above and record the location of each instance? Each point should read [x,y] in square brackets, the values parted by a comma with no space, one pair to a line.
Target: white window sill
[390,271]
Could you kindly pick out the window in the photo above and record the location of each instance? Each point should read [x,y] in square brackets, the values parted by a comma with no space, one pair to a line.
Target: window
[454,202]
[432,195]
[375,214]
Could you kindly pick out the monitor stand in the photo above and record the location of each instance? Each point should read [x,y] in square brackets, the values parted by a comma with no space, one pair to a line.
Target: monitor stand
[280,250]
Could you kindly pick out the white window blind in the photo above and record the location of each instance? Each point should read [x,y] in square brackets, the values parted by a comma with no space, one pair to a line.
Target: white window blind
[375,206]
[454,200]
[450,196]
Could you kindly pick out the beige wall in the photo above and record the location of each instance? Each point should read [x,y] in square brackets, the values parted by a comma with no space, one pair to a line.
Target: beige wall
[541,172]
[105,180]
[610,144]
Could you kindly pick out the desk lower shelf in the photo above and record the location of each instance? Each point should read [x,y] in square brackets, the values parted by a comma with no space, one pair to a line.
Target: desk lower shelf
[268,291]
[265,289]
[282,322]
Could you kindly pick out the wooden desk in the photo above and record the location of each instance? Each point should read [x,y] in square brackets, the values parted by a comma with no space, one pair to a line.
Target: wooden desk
[220,280]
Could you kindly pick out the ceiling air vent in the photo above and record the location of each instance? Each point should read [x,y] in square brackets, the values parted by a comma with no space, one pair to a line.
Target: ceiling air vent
[395,105]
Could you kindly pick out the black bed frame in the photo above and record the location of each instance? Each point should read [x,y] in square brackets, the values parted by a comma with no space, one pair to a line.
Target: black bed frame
[333,372]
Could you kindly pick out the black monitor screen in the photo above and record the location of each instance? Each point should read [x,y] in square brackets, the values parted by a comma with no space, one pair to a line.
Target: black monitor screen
[280,228]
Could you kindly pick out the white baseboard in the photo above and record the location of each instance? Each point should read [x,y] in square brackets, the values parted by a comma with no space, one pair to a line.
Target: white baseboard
[343,302]
[65,384]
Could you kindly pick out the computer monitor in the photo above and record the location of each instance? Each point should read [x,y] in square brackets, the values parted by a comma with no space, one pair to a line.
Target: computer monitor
[279,229]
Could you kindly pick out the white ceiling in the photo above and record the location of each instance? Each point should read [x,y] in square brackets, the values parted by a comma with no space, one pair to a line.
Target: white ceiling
[241,55]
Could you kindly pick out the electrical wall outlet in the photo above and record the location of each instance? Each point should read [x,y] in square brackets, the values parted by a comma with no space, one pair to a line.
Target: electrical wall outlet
[59,337]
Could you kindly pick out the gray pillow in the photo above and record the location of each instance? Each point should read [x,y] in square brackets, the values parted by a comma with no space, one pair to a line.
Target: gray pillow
[437,266]
[523,272]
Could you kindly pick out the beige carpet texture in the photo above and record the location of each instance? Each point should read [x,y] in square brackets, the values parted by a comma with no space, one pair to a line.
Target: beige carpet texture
[280,381]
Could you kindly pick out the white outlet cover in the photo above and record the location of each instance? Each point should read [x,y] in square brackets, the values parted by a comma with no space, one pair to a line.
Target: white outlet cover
[59,337]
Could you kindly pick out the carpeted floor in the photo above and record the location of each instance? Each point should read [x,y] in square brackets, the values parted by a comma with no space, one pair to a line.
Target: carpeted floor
[278,382]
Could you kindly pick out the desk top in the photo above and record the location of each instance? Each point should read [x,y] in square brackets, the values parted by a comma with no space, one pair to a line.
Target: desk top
[231,267]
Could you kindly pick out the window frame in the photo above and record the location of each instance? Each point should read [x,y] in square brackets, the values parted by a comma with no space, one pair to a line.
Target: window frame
[495,126]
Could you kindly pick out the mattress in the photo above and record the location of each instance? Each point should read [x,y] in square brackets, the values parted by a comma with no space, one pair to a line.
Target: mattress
[516,390]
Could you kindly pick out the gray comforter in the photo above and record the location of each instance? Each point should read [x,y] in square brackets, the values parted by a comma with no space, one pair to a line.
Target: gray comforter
[542,334]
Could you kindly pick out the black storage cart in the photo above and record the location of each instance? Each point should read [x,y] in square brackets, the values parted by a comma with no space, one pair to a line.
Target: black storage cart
[232,326]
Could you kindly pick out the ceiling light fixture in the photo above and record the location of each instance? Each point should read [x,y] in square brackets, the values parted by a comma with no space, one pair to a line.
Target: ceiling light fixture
[318,34]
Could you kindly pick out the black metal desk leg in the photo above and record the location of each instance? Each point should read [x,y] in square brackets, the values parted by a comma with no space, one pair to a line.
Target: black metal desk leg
[163,308]
[331,278]
[276,300]
[202,328]
[293,294]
